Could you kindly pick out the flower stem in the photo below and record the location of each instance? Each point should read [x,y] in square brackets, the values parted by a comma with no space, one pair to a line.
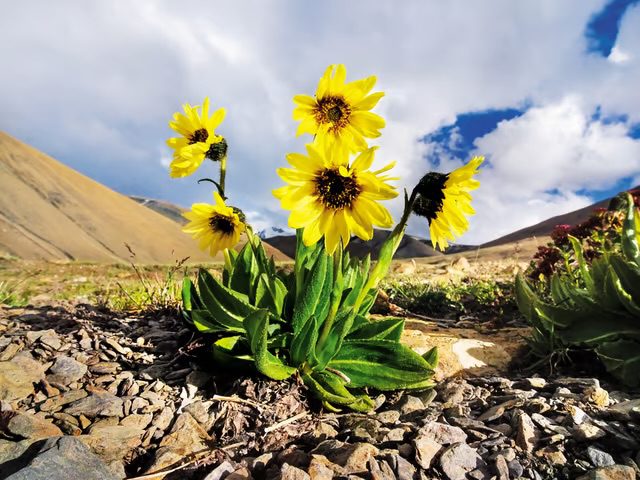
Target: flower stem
[336,296]
[223,174]
[387,251]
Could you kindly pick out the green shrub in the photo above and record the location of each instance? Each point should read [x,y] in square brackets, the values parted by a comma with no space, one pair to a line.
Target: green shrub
[594,305]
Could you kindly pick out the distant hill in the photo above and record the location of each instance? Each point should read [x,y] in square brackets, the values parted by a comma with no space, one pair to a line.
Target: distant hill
[410,247]
[49,211]
[544,228]
[167,209]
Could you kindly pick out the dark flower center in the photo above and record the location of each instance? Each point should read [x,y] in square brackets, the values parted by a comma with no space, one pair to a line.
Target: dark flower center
[217,151]
[199,136]
[430,195]
[222,224]
[336,191]
[334,110]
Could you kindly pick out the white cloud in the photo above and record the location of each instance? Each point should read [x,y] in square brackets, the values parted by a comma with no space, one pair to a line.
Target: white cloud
[541,159]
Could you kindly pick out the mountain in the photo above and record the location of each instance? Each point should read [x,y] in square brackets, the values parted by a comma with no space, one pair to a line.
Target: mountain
[167,209]
[49,211]
[410,247]
[544,228]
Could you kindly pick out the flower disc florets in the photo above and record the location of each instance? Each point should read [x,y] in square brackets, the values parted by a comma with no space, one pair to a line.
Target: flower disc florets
[335,190]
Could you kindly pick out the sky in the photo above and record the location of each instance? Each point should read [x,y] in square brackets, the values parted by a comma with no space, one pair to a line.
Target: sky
[546,90]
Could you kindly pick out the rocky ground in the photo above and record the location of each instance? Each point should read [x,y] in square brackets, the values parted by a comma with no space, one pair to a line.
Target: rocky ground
[92,394]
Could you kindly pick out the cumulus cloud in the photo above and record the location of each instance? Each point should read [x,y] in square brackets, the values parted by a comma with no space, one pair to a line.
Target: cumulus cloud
[94,84]
[540,161]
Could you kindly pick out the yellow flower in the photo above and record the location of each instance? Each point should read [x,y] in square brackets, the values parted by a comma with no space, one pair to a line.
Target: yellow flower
[197,138]
[444,200]
[328,198]
[340,111]
[216,227]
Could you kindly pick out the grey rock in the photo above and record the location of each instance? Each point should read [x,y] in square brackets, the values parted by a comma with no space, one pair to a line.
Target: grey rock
[426,450]
[24,425]
[58,458]
[97,404]
[289,472]
[526,435]
[352,458]
[388,417]
[66,370]
[442,433]
[458,460]
[501,468]
[411,404]
[515,469]
[17,378]
[598,458]
[220,471]
[613,472]
[54,403]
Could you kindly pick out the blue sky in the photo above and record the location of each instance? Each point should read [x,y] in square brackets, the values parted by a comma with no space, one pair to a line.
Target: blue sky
[548,94]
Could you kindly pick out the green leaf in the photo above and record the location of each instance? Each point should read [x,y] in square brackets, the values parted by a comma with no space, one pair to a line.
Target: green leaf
[257,325]
[206,323]
[330,388]
[227,306]
[631,233]
[245,272]
[624,297]
[582,264]
[226,353]
[304,342]
[622,359]
[592,330]
[382,364]
[340,329]
[308,299]
[629,275]
[557,317]
[431,357]
[525,298]
[386,329]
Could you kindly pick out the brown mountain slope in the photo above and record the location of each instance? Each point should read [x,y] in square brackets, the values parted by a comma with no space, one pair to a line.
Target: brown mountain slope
[544,228]
[49,211]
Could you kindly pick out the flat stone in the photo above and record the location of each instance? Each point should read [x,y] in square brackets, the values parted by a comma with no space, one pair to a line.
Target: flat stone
[17,378]
[185,438]
[458,460]
[103,368]
[388,417]
[587,431]
[141,421]
[220,471]
[495,412]
[598,458]
[289,472]
[411,404]
[30,426]
[113,442]
[66,370]
[625,410]
[58,458]
[352,457]
[426,450]
[501,468]
[613,472]
[596,395]
[97,404]
[526,435]
[442,433]
[320,468]
[54,403]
